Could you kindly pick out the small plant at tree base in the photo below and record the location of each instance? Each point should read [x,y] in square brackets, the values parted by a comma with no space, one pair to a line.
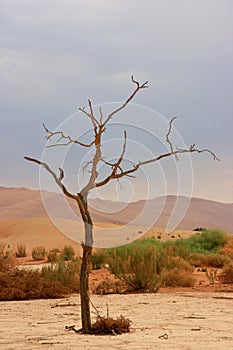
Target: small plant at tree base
[211,275]
[109,325]
[21,251]
[38,253]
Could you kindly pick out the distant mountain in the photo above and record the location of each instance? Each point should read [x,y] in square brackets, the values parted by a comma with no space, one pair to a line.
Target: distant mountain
[24,202]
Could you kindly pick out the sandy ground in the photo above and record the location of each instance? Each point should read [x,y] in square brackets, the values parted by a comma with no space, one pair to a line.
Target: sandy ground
[190,321]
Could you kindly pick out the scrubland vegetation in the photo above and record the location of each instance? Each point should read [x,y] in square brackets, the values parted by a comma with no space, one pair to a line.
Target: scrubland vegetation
[54,281]
[142,266]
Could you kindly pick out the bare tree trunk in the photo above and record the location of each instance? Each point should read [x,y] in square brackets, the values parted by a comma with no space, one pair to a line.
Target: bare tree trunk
[84,290]
[85,267]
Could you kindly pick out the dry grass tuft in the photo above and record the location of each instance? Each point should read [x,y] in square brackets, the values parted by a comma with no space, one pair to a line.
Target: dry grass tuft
[109,286]
[27,284]
[109,325]
[227,274]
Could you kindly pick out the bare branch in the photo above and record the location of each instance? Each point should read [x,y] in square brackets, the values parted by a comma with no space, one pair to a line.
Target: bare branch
[90,115]
[144,85]
[61,174]
[138,87]
[85,165]
[120,159]
[58,179]
[96,159]
[62,136]
[168,134]
[153,160]
[193,149]
[95,122]
[101,115]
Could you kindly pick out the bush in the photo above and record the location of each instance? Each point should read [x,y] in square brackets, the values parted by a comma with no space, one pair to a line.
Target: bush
[66,273]
[52,255]
[109,286]
[211,260]
[27,284]
[108,325]
[21,251]
[98,260]
[139,268]
[228,248]
[178,273]
[38,253]
[67,253]
[206,242]
[178,278]
[227,274]
[6,259]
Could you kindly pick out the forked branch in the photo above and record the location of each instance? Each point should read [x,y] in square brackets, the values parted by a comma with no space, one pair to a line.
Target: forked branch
[58,179]
[117,175]
[138,87]
[62,137]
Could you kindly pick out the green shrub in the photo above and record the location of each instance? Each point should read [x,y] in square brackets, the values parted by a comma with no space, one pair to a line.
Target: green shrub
[52,255]
[206,242]
[139,268]
[66,273]
[98,259]
[67,253]
[38,253]
[21,251]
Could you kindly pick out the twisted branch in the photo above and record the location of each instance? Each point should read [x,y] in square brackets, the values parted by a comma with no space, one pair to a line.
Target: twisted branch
[58,179]
[128,172]
[138,87]
[62,136]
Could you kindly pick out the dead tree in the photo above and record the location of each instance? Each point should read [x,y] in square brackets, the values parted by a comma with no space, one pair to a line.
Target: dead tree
[116,172]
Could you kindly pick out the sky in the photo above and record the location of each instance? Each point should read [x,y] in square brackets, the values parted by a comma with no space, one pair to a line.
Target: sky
[56,54]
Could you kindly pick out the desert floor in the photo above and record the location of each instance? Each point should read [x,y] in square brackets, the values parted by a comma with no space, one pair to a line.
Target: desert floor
[177,320]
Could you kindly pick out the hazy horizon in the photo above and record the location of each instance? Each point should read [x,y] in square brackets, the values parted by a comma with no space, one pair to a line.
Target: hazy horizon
[112,200]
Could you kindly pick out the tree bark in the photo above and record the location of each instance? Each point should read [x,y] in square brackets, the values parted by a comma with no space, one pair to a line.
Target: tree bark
[84,290]
[85,266]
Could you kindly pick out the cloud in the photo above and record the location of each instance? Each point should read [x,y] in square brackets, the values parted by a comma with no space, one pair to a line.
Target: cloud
[56,54]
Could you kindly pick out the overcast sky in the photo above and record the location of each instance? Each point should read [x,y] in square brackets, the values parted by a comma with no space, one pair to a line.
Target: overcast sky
[56,54]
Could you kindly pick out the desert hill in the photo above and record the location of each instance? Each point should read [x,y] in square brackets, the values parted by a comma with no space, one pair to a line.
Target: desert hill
[26,203]
[40,231]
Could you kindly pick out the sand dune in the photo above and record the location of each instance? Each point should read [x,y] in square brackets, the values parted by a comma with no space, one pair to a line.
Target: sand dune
[23,202]
[33,232]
